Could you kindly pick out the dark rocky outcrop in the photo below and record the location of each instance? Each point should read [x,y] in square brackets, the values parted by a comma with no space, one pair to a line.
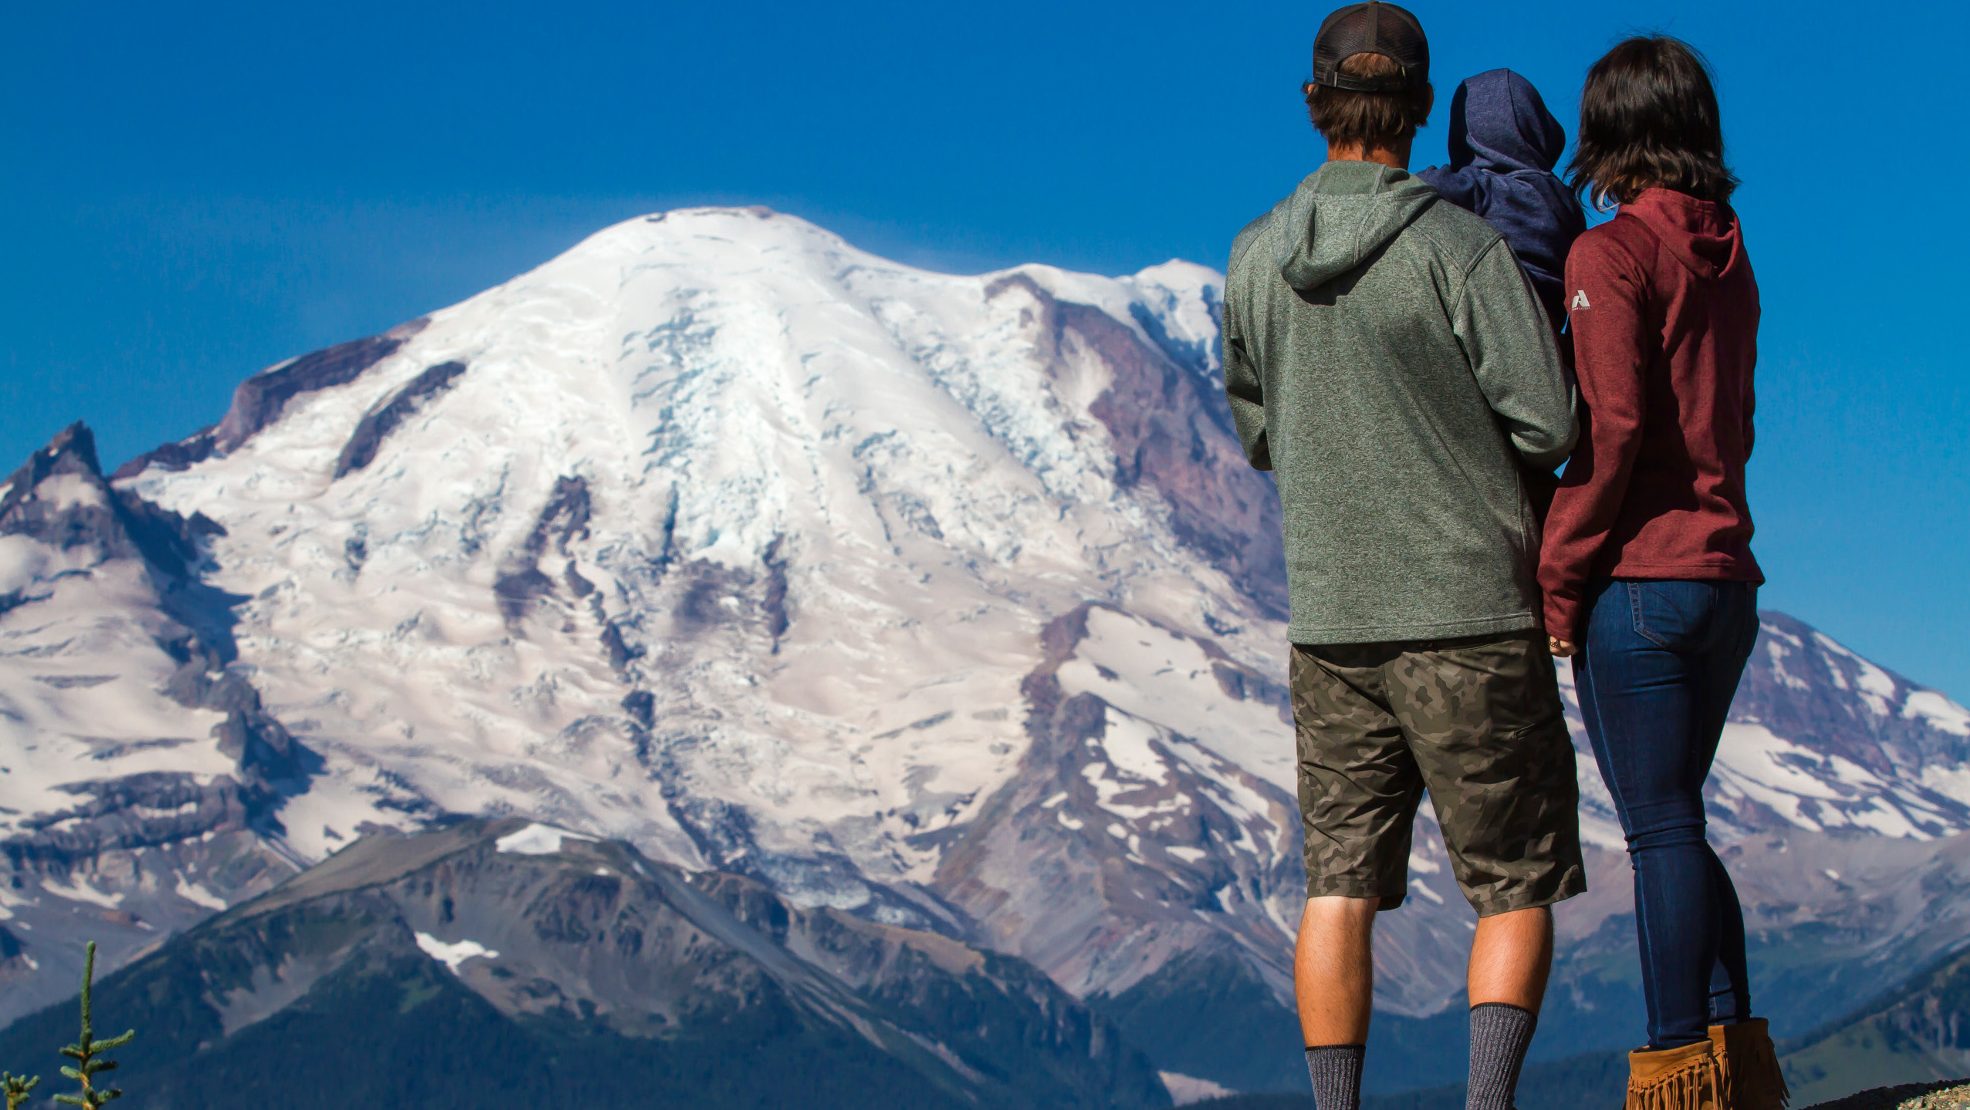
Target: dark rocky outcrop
[270,760]
[135,811]
[111,525]
[115,523]
[259,400]
[521,583]
[181,454]
[380,421]
[777,617]
[562,520]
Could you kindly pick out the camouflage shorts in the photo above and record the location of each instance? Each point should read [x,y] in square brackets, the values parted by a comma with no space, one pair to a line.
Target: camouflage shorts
[1476,722]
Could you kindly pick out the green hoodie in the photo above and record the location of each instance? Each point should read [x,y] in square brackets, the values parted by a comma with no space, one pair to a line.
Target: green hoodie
[1386,359]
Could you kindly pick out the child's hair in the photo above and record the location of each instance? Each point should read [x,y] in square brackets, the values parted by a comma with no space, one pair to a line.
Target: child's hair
[1648,119]
[1372,119]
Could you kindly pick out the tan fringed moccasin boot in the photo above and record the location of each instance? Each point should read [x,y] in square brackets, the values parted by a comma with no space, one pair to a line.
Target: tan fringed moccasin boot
[1686,1078]
[1748,1063]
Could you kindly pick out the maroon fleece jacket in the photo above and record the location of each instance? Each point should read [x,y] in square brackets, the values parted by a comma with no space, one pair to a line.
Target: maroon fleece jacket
[1663,309]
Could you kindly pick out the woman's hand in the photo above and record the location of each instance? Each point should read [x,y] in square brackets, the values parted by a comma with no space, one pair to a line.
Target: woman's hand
[1561,649]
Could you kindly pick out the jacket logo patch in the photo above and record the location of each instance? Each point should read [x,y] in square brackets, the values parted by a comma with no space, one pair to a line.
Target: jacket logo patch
[1579,301]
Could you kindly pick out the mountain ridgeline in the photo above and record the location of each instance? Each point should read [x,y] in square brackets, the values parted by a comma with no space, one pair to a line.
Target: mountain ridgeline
[487,962]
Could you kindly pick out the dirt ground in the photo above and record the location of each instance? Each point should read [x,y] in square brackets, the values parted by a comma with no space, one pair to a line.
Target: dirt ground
[1954,1095]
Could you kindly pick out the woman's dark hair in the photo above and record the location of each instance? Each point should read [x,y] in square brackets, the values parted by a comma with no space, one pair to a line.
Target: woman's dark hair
[1372,119]
[1649,119]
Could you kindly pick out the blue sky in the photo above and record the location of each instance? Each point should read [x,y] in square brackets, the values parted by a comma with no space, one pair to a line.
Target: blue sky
[194,192]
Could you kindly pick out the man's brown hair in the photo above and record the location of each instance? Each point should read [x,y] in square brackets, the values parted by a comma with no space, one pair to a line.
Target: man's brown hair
[1369,119]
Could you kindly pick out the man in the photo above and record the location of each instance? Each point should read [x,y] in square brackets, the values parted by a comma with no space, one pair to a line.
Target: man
[1385,357]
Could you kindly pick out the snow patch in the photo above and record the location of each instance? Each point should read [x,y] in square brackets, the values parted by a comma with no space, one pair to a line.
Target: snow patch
[198,895]
[82,891]
[1875,685]
[1186,1089]
[68,491]
[1169,680]
[1938,712]
[1127,742]
[454,953]
[537,840]
[1778,651]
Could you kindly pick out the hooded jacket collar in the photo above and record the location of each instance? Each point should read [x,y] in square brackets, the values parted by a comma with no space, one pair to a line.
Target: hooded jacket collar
[1703,235]
[1343,213]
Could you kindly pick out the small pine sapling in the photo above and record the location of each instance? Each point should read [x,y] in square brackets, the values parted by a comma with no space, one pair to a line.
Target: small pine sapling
[87,1051]
[16,1088]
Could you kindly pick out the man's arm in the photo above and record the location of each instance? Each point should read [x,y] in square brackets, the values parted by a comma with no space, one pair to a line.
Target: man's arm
[1243,389]
[1509,342]
[1610,339]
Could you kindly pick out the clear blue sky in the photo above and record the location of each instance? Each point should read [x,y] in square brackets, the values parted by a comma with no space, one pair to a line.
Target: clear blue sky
[191,192]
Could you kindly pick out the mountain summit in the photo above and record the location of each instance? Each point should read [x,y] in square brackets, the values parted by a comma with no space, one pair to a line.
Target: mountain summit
[947,602]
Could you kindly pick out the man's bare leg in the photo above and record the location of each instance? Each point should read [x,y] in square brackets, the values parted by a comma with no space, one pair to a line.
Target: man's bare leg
[1334,984]
[1511,957]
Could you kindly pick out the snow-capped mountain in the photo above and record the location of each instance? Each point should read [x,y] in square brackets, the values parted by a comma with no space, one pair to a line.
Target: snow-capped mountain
[948,601]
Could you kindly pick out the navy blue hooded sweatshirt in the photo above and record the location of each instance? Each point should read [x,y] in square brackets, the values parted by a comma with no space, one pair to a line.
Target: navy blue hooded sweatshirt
[1503,147]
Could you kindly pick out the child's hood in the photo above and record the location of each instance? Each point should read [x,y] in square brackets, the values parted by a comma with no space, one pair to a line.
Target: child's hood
[1503,147]
[1498,122]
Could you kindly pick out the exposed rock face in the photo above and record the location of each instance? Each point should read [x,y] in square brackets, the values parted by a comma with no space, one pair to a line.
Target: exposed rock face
[109,822]
[380,421]
[137,811]
[60,498]
[261,399]
[1140,880]
[1172,432]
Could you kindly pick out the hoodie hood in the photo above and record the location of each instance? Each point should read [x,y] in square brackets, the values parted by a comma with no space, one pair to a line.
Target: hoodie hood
[1503,147]
[1341,215]
[1498,122]
[1703,235]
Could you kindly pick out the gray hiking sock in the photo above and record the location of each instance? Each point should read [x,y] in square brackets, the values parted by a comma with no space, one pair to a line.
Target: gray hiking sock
[1500,1034]
[1336,1073]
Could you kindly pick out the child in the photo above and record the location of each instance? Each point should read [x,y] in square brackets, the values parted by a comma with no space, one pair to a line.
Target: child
[1503,147]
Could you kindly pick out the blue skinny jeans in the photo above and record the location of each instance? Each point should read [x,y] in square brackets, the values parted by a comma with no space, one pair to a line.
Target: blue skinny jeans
[1656,673]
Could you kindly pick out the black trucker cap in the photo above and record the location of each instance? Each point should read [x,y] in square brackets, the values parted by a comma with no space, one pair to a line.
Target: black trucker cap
[1371,29]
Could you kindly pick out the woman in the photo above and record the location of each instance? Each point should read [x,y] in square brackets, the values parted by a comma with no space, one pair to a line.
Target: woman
[1647,563]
